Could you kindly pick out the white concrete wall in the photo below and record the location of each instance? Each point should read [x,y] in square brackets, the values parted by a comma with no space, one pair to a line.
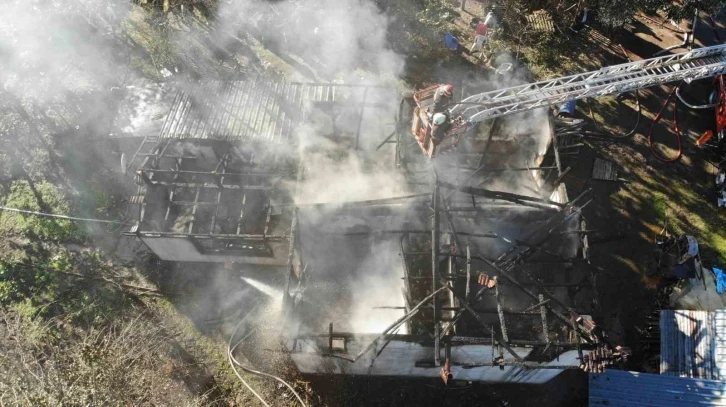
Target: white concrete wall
[399,359]
[181,249]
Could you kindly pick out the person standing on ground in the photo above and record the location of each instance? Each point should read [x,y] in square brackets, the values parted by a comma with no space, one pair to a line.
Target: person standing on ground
[582,17]
[480,35]
[454,44]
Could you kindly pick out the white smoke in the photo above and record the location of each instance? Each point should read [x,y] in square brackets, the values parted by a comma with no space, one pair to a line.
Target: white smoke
[333,38]
[51,48]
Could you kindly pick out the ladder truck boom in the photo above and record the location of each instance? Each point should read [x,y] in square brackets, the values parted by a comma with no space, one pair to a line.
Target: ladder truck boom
[696,64]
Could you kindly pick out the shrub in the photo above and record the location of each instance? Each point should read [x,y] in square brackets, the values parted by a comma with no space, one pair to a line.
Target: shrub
[39,197]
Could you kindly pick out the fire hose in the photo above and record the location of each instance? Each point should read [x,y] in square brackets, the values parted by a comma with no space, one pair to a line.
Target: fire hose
[676,92]
[656,119]
[679,98]
[234,362]
[638,108]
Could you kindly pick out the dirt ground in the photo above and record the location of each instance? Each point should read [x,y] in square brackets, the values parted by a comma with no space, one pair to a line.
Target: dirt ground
[628,214]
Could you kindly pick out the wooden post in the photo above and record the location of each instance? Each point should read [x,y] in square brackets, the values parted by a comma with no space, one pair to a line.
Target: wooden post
[360,117]
[437,349]
[435,269]
[500,311]
[543,313]
[144,177]
[330,337]
[468,275]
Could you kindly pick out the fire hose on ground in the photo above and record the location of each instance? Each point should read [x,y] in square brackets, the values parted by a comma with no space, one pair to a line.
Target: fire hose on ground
[638,107]
[234,363]
[679,98]
[676,128]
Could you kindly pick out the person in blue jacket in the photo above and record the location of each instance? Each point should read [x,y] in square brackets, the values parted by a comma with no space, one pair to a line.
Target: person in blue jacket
[454,44]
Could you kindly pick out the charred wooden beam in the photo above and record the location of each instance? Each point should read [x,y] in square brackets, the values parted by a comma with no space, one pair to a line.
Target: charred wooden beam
[240,221]
[543,311]
[367,202]
[194,211]
[427,340]
[330,337]
[533,296]
[207,236]
[216,212]
[268,216]
[435,265]
[189,203]
[194,185]
[291,254]
[398,323]
[496,336]
[515,342]
[505,196]
[571,209]
[168,208]
[500,312]
[450,222]
[467,296]
[387,140]
[526,365]
[144,177]
[510,169]
[419,231]
[361,111]
[452,323]
[214,173]
[541,302]
[338,85]
[160,155]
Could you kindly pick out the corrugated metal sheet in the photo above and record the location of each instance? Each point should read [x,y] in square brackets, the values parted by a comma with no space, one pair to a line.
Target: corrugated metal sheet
[631,389]
[693,344]
[270,111]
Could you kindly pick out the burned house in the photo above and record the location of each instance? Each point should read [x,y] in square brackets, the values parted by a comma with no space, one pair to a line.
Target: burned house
[217,183]
[214,201]
[467,272]
[469,283]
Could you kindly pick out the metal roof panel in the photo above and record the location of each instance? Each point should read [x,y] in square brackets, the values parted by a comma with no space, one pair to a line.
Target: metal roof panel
[620,388]
[693,343]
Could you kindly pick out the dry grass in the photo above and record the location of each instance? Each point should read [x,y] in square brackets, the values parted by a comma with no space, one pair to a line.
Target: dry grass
[125,362]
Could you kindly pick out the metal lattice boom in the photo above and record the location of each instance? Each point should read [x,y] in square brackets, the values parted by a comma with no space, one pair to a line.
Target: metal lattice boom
[697,64]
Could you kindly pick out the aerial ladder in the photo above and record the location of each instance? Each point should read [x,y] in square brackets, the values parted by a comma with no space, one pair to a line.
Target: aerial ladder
[465,115]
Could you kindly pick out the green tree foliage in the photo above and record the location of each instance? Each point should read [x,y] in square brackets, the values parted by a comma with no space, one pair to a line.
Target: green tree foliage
[39,197]
[617,12]
[19,281]
[39,283]
[684,9]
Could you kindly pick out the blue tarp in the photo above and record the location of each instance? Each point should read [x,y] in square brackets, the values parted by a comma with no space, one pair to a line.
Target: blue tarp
[720,280]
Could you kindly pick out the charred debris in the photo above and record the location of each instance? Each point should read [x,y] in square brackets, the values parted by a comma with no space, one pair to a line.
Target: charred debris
[482,256]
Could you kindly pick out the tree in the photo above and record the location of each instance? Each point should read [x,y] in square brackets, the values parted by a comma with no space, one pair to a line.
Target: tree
[614,13]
